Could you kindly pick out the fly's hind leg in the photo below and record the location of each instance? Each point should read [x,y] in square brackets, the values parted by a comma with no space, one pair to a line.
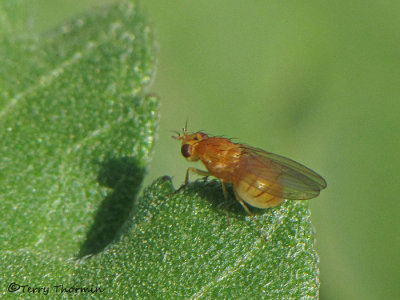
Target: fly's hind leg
[241,201]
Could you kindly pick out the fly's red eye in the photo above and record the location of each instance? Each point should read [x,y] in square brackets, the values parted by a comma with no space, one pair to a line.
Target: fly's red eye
[186,150]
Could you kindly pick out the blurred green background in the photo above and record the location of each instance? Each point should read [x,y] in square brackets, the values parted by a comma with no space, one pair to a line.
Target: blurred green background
[316,81]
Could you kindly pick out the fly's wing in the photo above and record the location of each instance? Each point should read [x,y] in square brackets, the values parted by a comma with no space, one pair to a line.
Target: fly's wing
[277,175]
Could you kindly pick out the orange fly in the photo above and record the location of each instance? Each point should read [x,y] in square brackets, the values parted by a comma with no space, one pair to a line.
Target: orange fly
[259,178]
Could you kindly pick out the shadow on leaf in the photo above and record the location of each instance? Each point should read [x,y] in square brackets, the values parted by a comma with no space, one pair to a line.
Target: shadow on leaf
[124,176]
[212,191]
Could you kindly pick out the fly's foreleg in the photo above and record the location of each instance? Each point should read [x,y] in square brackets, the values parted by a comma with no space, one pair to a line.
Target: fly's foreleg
[196,171]
[193,170]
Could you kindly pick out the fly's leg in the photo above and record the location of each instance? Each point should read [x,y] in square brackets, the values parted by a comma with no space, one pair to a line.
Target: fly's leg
[251,215]
[226,199]
[224,190]
[197,171]
[193,170]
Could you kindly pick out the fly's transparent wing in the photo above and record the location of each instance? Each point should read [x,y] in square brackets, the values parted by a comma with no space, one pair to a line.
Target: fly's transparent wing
[278,175]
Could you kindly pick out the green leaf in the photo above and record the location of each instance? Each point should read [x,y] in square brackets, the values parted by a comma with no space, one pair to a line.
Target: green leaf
[180,245]
[77,132]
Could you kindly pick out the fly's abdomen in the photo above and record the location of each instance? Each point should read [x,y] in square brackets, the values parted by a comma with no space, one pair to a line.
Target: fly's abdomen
[253,191]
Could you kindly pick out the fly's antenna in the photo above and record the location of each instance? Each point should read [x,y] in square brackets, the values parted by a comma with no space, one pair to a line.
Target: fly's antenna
[185,128]
[177,135]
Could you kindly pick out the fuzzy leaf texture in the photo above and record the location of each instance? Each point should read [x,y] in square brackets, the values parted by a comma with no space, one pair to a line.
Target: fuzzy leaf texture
[77,133]
[179,244]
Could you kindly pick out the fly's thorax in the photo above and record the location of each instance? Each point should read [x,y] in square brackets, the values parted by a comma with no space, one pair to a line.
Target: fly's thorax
[220,156]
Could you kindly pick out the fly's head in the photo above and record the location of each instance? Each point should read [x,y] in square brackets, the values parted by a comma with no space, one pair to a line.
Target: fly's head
[190,143]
